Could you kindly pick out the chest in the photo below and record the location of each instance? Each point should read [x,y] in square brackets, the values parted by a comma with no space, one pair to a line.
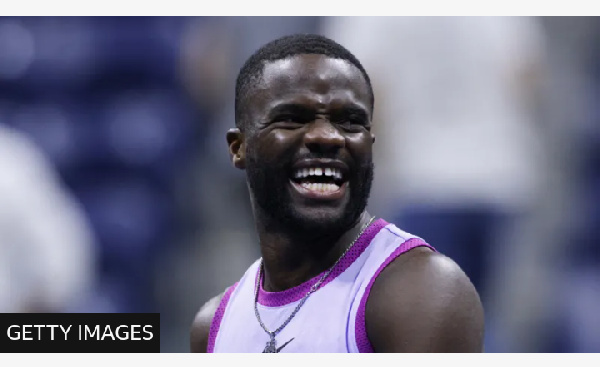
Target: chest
[320,325]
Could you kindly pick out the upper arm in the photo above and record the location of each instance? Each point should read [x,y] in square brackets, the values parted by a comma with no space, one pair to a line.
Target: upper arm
[201,326]
[424,302]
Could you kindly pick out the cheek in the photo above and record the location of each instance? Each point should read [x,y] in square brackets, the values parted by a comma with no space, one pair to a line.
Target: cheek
[271,145]
[360,145]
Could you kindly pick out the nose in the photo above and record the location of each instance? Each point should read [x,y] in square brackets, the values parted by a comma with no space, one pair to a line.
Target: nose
[323,137]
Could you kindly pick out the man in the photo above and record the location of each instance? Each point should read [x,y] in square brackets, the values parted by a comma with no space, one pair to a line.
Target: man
[465,93]
[331,278]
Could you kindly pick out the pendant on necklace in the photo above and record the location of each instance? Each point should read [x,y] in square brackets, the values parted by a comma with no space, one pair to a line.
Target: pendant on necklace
[271,346]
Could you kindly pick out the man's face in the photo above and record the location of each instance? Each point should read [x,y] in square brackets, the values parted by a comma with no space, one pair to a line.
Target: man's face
[309,145]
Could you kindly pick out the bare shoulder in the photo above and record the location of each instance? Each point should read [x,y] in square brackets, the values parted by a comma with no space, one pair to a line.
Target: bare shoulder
[201,325]
[423,302]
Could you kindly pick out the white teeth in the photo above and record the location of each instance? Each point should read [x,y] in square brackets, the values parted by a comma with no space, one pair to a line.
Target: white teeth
[318,171]
[320,187]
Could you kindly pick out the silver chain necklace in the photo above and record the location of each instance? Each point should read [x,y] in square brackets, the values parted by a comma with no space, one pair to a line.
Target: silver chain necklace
[271,346]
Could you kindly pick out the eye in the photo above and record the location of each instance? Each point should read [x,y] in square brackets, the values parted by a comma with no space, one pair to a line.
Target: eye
[285,118]
[287,121]
[354,122]
[356,119]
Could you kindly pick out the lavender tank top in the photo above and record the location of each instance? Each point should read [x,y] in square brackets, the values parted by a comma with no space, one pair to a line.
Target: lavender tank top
[332,320]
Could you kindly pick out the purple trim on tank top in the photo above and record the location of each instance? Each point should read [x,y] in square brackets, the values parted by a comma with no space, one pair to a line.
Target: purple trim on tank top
[216,321]
[275,299]
[362,341]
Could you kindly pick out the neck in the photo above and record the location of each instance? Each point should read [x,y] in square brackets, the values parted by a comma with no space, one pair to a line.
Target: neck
[290,258]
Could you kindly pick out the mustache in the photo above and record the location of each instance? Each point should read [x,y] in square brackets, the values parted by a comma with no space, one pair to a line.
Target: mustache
[333,156]
[289,162]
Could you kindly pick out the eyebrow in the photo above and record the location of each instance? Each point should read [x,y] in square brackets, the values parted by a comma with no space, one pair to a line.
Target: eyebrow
[291,108]
[356,110]
[302,110]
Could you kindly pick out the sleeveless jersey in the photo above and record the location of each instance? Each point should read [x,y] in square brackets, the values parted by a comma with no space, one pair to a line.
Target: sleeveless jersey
[332,320]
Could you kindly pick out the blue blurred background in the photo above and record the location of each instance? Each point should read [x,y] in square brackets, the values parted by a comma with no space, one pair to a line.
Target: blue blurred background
[117,194]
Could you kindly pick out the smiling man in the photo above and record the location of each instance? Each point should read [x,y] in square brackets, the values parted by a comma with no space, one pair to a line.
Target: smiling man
[332,278]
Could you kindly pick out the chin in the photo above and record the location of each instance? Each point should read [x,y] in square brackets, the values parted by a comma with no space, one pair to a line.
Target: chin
[319,220]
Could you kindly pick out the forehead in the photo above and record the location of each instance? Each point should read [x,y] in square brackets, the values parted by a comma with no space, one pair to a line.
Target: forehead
[311,79]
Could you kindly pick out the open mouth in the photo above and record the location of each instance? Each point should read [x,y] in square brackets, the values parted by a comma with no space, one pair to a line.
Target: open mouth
[323,181]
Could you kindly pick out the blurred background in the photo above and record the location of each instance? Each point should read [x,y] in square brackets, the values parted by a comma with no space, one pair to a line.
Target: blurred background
[117,193]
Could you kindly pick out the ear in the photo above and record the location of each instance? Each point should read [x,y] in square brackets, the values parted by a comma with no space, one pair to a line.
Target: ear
[237,147]
[373,137]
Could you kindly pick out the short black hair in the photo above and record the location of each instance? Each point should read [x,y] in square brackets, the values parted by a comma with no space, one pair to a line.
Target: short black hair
[283,48]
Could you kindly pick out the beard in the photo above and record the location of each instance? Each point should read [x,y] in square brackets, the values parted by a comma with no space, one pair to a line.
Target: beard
[270,189]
